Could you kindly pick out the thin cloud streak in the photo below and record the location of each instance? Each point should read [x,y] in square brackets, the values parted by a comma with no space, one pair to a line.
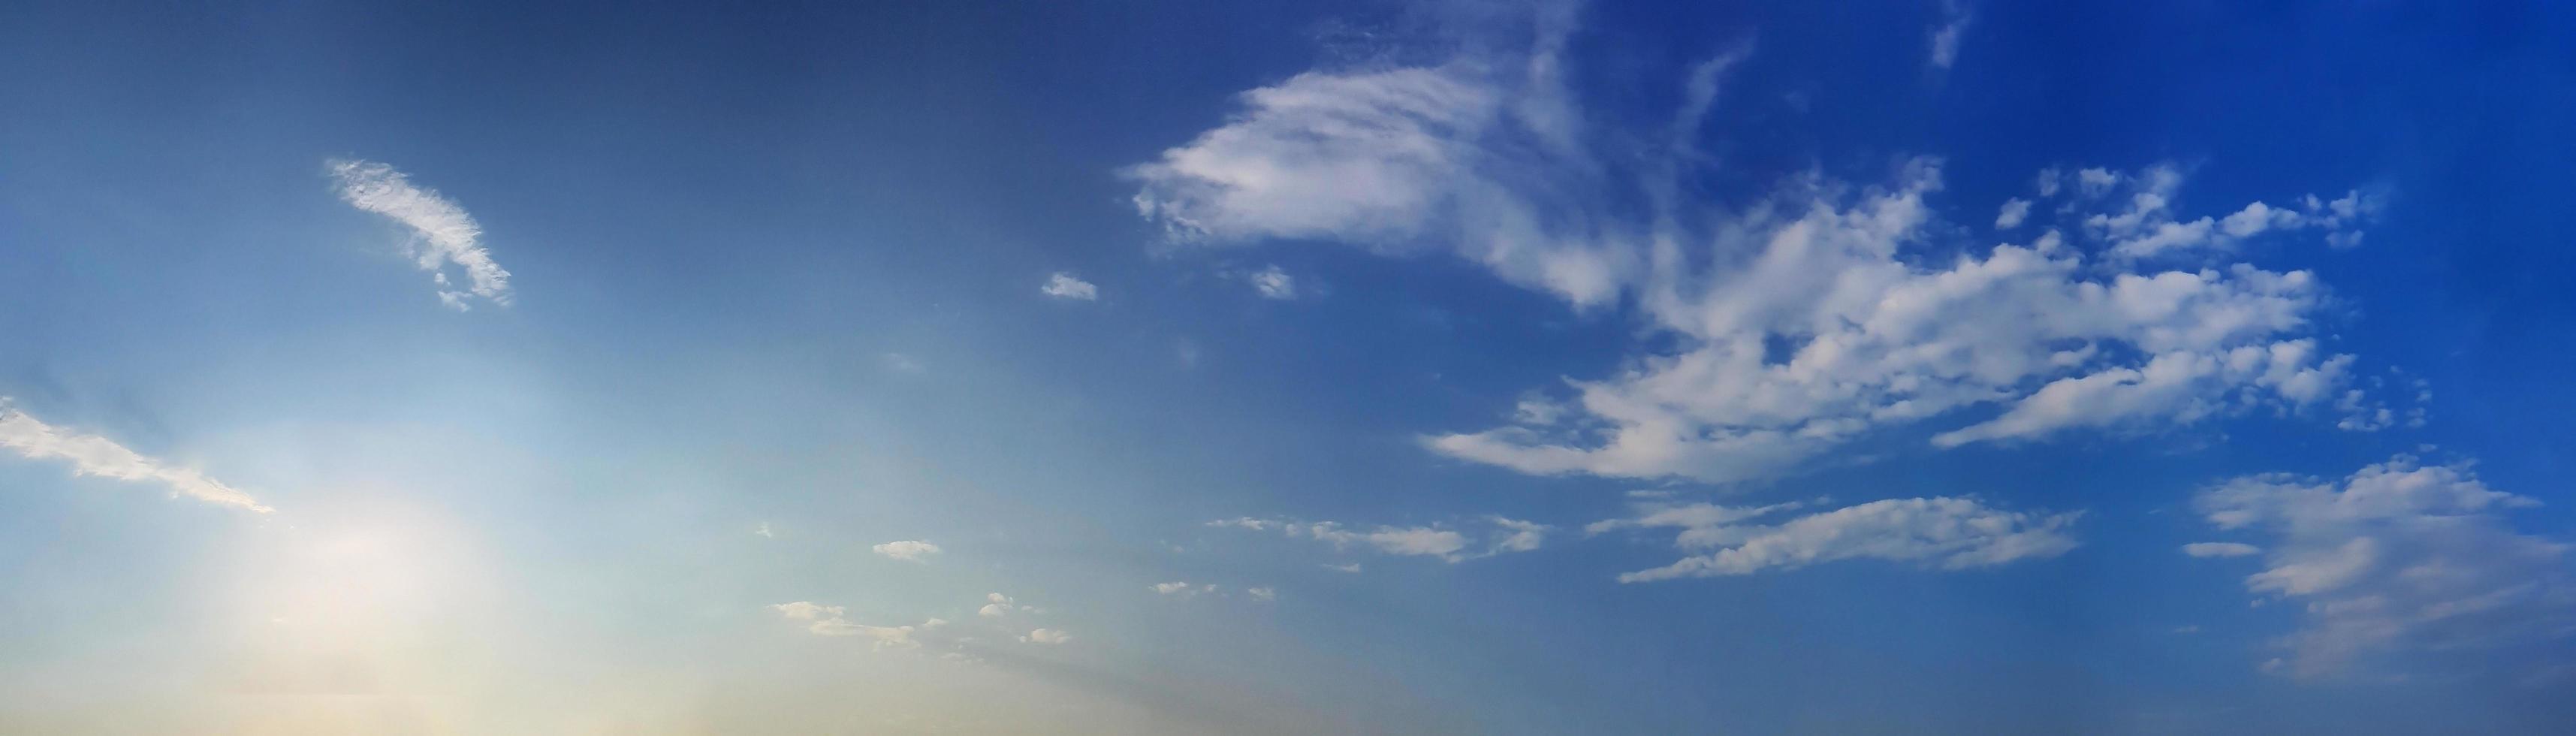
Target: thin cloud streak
[94,455]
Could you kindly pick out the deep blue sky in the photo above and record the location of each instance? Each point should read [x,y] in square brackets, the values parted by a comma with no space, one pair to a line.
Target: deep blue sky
[775,301]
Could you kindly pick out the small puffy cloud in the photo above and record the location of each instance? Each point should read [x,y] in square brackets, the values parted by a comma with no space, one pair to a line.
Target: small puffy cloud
[1047,636]
[2397,557]
[1264,594]
[1943,533]
[764,531]
[2015,210]
[1273,283]
[1181,589]
[2220,549]
[1452,545]
[909,550]
[91,454]
[442,233]
[1063,285]
[1351,567]
[997,605]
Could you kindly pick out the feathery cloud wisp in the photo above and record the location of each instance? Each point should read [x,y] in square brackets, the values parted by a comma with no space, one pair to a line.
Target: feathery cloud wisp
[442,233]
[94,455]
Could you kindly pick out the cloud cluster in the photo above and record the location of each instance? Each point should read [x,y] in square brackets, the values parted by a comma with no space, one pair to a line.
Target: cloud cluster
[442,233]
[2397,557]
[1817,314]
[1451,545]
[94,455]
[1944,533]
[909,550]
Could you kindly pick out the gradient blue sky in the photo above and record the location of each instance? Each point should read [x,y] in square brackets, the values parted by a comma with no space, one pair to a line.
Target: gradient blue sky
[1174,367]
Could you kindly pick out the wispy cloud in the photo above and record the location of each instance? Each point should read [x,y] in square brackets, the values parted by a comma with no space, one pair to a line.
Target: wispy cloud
[2396,557]
[1272,282]
[2220,549]
[1823,311]
[825,620]
[94,455]
[1063,285]
[1945,533]
[1451,545]
[442,233]
[1944,42]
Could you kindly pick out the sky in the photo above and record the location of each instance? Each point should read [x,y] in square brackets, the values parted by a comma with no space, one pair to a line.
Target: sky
[1513,367]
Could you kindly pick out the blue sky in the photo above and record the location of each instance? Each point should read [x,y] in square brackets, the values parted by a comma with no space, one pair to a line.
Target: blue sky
[1517,368]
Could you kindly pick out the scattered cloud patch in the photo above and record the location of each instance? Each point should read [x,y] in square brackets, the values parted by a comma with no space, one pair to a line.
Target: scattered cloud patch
[2397,557]
[825,620]
[764,531]
[1943,533]
[1181,589]
[1264,595]
[901,363]
[1272,282]
[2015,210]
[1063,285]
[997,605]
[1047,636]
[1349,567]
[442,233]
[94,455]
[1504,536]
[909,550]
[2220,549]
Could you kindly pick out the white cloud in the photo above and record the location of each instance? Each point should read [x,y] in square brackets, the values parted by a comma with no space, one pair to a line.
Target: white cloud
[997,605]
[2397,557]
[94,455]
[2220,549]
[764,531]
[825,620]
[1945,533]
[1181,589]
[1797,322]
[909,550]
[1264,595]
[1945,37]
[442,233]
[2015,210]
[1047,636]
[1272,283]
[1397,159]
[1519,536]
[1063,285]
[1452,545]
[1352,567]
[901,363]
